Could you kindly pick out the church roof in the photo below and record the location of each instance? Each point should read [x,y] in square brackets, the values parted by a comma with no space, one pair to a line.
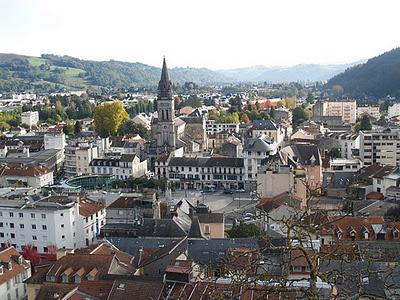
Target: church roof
[164,86]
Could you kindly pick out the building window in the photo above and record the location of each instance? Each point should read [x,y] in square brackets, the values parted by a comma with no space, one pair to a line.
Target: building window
[22,226]
[62,225]
[1,224]
[44,227]
[43,216]
[34,226]
[63,237]
[34,237]
[61,215]
[11,214]
[33,215]
[21,215]
[207,229]
[11,225]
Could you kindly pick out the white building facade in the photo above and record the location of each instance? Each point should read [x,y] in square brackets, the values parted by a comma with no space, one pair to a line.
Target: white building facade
[30,118]
[54,220]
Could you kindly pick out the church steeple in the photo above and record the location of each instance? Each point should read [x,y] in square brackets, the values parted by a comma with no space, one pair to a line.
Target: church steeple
[164,86]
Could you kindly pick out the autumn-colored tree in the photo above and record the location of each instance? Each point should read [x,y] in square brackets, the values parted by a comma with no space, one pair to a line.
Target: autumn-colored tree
[108,118]
[51,252]
[31,254]
[244,118]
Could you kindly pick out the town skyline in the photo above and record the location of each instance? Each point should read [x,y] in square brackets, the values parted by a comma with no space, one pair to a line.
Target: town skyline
[126,31]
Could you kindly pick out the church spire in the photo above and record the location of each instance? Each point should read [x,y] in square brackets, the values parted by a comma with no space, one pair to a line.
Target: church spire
[164,86]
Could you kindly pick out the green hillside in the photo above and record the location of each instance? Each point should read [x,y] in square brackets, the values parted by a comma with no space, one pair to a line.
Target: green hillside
[378,77]
[59,73]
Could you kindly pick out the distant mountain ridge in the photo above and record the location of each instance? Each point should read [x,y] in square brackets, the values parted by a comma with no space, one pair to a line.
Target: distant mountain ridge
[376,78]
[50,73]
[301,72]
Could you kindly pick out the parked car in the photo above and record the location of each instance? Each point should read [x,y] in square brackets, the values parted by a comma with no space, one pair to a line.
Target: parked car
[240,191]
[228,191]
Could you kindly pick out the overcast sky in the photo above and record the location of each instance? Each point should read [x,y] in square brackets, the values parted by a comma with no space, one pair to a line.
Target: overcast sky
[207,33]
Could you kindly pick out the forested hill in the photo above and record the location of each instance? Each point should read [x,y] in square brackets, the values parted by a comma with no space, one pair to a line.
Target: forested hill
[378,77]
[56,73]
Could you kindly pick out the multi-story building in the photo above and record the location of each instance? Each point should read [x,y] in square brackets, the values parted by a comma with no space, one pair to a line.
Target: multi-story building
[346,109]
[120,166]
[394,110]
[30,118]
[370,110]
[78,155]
[199,172]
[254,151]
[347,142]
[380,146]
[213,127]
[54,141]
[14,270]
[14,175]
[268,128]
[64,221]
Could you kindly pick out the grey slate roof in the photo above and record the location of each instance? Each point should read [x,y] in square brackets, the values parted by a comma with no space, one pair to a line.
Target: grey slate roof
[162,228]
[304,153]
[195,230]
[264,125]
[356,278]
[259,144]
[209,252]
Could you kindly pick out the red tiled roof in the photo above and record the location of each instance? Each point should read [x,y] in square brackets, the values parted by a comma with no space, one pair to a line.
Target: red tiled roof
[10,254]
[89,207]
[23,170]
[374,195]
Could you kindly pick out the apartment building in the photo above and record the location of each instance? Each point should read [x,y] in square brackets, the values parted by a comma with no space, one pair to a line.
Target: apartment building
[380,147]
[254,151]
[120,166]
[14,270]
[78,155]
[213,127]
[370,110]
[54,141]
[65,221]
[347,142]
[268,128]
[394,110]
[30,118]
[346,109]
[199,172]
[18,175]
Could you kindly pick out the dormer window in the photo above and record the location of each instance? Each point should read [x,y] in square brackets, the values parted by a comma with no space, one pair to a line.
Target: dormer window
[366,235]
[1,270]
[396,234]
[20,260]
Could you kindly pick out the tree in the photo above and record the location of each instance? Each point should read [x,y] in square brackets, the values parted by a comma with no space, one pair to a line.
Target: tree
[337,90]
[244,118]
[365,123]
[77,127]
[108,118]
[310,98]
[130,127]
[244,230]
[334,153]
[31,254]
[299,115]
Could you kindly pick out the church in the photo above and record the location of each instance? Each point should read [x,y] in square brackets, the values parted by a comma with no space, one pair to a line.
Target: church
[171,135]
